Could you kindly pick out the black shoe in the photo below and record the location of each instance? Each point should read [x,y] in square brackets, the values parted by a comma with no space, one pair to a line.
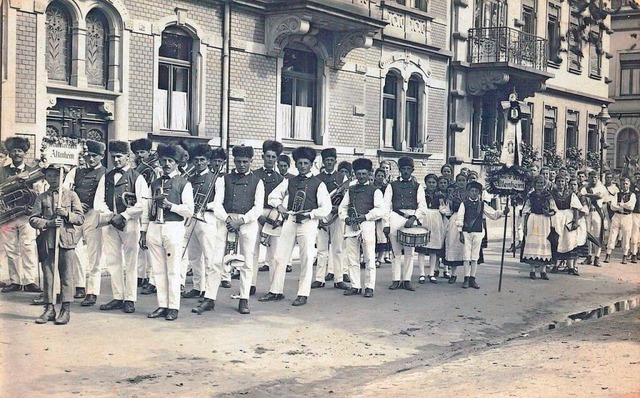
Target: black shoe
[363,265]
[14,287]
[300,300]
[573,271]
[436,273]
[596,262]
[140,282]
[112,305]
[172,315]
[328,278]
[554,269]
[432,279]
[205,305]
[38,300]
[317,284]
[406,285]
[243,307]
[446,275]
[587,261]
[624,260]
[452,279]
[159,312]
[543,275]
[3,285]
[532,275]
[64,316]
[352,291]
[346,278]
[422,279]
[472,283]
[341,285]
[252,291]
[193,293]
[235,275]
[49,314]
[511,248]
[225,284]
[465,283]
[387,260]
[606,259]
[89,300]
[264,268]
[395,285]
[32,288]
[149,289]
[271,297]
[80,293]
[289,268]
[190,272]
[633,258]
[129,307]
[368,292]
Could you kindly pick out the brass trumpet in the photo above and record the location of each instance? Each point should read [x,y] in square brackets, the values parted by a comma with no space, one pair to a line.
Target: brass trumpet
[158,211]
[231,255]
[270,227]
[352,216]
[298,203]
[129,199]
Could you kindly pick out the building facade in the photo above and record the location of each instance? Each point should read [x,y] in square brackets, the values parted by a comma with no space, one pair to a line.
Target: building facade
[623,132]
[524,46]
[368,77]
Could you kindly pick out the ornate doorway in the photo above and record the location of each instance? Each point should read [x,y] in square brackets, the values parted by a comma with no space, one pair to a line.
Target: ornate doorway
[79,119]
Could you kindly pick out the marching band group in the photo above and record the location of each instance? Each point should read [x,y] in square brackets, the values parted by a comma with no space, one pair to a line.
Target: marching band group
[175,211]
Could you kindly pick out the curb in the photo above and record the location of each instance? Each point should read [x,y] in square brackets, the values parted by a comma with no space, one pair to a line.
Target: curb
[595,313]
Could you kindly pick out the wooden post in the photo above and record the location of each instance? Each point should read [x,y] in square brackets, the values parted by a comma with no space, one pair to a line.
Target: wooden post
[504,241]
[56,250]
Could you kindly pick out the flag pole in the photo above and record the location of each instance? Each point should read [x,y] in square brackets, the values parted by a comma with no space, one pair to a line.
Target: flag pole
[504,241]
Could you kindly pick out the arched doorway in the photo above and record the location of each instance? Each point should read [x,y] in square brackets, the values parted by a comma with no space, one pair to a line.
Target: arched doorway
[626,145]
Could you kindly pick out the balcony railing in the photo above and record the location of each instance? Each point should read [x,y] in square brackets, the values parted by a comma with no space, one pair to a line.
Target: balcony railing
[504,44]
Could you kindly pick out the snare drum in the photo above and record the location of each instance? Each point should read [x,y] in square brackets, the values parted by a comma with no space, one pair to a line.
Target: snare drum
[413,237]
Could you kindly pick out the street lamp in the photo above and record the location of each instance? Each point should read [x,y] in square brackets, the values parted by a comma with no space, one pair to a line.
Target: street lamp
[602,119]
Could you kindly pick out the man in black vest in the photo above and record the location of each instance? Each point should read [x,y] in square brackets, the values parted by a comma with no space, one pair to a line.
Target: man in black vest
[200,247]
[361,206]
[271,150]
[162,230]
[305,199]
[218,160]
[404,199]
[85,184]
[120,236]
[17,235]
[284,164]
[330,237]
[471,228]
[237,205]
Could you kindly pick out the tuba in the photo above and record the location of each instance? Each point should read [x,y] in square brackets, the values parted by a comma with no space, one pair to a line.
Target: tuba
[298,203]
[146,168]
[16,198]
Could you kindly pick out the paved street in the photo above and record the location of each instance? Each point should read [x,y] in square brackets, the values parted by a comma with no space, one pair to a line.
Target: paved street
[334,343]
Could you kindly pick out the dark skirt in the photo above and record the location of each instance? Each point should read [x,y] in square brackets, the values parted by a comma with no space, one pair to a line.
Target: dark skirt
[383,247]
[427,251]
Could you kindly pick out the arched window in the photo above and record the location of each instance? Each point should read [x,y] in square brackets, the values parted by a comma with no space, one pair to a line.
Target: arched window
[626,145]
[299,93]
[97,49]
[175,75]
[412,128]
[390,108]
[58,46]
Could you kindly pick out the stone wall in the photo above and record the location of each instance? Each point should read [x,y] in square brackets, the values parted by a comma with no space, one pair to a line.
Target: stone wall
[26,72]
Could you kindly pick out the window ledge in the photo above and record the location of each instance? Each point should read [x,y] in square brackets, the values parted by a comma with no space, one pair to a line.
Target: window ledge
[595,76]
[90,92]
[575,71]
[175,134]
[409,10]
[393,152]
[552,64]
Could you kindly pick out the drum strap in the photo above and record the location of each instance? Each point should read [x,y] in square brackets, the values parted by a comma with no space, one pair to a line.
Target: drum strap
[401,213]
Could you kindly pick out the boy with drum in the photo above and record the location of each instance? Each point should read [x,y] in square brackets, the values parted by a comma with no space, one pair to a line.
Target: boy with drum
[405,200]
[470,226]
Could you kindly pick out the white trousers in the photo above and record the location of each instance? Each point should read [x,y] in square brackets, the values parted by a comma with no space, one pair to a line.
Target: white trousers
[246,244]
[635,233]
[93,250]
[121,251]
[472,244]
[352,247]
[620,223]
[401,269]
[306,235]
[201,251]
[165,243]
[329,245]
[19,240]
[270,252]
[594,222]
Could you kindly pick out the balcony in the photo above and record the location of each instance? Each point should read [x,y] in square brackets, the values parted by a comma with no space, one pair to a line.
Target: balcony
[508,45]
[506,59]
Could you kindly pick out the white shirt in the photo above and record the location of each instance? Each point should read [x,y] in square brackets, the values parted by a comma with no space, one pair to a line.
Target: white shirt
[142,193]
[280,195]
[184,209]
[218,202]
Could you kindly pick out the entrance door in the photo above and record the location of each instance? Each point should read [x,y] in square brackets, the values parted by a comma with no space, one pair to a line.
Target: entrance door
[78,119]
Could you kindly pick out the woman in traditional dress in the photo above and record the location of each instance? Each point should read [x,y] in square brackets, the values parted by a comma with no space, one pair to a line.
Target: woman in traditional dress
[565,223]
[454,250]
[537,212]
[582,248]
[380,181]
[435,225]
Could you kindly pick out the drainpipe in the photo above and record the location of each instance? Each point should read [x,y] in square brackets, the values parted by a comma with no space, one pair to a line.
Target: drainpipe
[226,66]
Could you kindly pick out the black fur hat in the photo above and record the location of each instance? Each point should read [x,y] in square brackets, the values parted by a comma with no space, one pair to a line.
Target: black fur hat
[96,147]
[172,151]
[218,153]
[143,144]
[285,158]
[405,161]
[329,153]
[242,151]
[200,150]
[119,147]
[345,165]
[304,152]
[17,143]
[274,146]
[363,164]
